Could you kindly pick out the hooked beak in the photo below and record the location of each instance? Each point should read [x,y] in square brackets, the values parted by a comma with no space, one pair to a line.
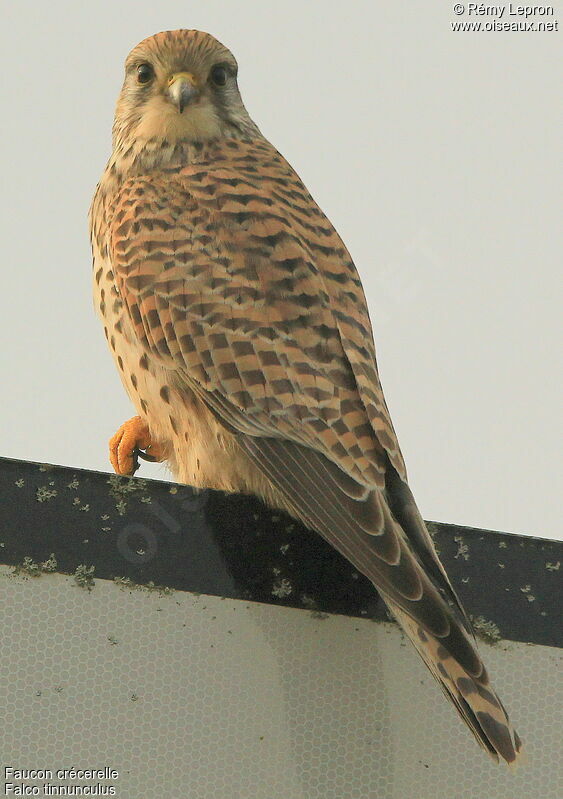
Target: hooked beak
[182,89]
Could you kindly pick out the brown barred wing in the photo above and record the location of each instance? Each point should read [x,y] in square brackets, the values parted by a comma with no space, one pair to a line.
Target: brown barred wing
[234,279]
[219,283]
[362,527]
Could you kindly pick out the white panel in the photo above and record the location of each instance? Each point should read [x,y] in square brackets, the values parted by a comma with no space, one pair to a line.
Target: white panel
[203,698]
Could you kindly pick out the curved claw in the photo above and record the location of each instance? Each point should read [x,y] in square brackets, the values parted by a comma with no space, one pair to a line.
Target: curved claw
[130,443]
[146,456]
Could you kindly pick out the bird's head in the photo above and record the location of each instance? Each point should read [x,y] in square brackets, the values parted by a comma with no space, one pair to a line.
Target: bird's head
[180,86]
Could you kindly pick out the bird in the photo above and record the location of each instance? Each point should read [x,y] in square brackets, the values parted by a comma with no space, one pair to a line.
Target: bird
[240,329]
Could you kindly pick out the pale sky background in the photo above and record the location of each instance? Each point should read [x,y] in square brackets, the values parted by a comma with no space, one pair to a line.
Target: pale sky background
[436,155]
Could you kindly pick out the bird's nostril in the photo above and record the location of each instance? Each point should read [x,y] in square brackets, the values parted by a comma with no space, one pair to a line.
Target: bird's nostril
[182,89]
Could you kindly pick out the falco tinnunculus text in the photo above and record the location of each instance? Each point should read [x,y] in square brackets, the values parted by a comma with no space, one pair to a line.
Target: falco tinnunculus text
[240,330]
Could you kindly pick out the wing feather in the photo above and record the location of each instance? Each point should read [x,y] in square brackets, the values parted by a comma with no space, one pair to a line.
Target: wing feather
[235,280]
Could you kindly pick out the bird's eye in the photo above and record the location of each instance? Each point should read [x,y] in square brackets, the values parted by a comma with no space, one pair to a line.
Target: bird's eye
[219,75]
[145,73]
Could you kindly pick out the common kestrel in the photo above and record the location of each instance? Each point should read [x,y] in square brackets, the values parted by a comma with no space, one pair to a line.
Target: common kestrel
[241,333]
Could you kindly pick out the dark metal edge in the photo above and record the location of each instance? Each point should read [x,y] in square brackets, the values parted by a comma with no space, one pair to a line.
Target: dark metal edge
[157,533]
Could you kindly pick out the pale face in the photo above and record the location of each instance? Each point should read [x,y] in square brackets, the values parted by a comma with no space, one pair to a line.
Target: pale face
[179,85]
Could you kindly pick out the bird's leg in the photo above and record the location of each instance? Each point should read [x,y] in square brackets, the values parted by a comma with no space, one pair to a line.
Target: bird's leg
[131,442]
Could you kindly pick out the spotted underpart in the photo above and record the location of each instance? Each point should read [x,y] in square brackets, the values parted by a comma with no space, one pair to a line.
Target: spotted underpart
[241,332]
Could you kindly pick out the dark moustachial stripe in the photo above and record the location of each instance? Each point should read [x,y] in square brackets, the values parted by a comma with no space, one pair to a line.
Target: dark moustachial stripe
[225,288]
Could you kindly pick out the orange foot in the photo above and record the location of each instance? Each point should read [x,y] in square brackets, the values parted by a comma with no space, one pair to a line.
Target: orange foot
[131,442]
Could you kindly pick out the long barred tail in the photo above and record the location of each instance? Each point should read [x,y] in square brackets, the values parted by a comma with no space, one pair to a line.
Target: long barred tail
[384,536]
[471,693]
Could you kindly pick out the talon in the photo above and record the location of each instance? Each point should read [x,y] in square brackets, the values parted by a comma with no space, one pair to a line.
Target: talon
[130,443]
[135,457]
[147,456]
